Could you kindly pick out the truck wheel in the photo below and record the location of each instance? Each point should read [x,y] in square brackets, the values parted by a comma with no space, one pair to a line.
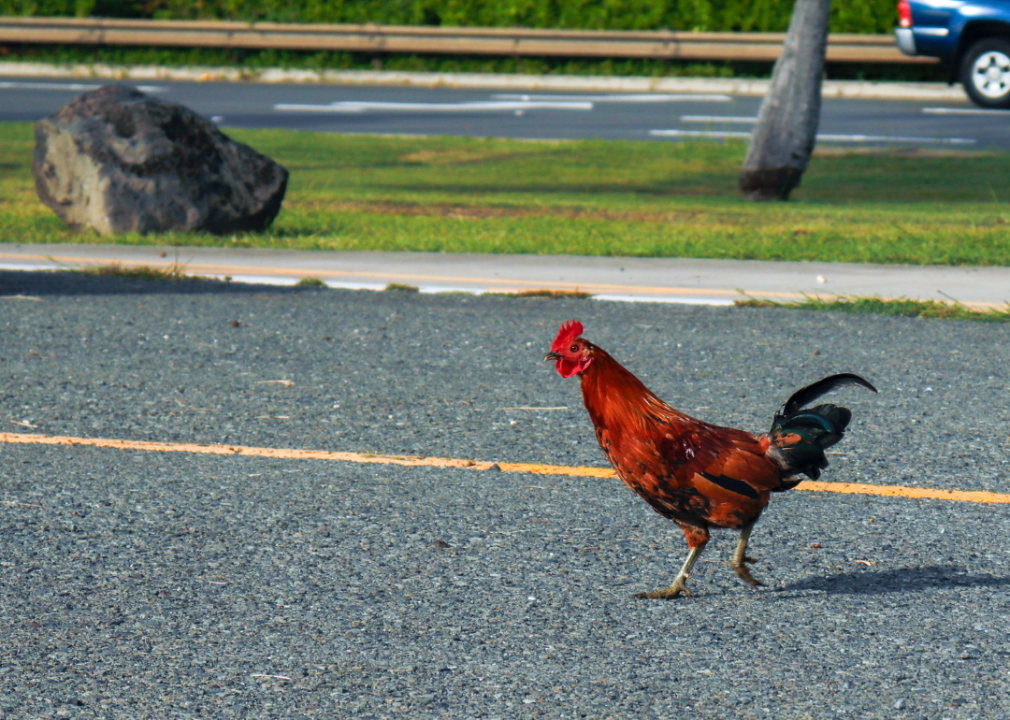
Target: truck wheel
[985,73]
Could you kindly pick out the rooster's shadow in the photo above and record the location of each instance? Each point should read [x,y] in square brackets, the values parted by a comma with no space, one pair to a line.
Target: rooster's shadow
[915,579]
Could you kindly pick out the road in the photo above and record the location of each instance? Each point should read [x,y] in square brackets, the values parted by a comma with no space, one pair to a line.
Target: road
[438,111]
[148,584]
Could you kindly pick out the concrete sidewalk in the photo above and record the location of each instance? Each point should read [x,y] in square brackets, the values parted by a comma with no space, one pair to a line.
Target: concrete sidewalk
[708,282]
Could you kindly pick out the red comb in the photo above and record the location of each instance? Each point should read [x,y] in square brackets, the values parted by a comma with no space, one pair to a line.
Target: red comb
[568,332]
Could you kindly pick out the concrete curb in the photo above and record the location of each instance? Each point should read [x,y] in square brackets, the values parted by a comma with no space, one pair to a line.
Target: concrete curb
[666,280]
[488,81]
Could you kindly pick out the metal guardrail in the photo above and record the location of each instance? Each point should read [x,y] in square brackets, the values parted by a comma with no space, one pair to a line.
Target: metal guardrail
[662,44]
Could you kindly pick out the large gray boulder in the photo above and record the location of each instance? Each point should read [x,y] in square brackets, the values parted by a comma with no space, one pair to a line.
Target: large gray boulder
[116,160]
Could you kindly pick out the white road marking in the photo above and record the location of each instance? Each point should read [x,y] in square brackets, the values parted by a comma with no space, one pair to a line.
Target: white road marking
[701,133]
[896,138]
[663,299]
[717,118]
[822,138]
[353,285]
[478,106]
[435,289]
[30,266]
[74,87]
[618,97]
[250,279]
[963,111]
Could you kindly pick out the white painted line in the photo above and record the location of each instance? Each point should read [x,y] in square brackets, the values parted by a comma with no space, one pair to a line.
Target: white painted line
[77,87]
[963,111]
[434,289]
[896,138]
[252,279]
[701,133]
[717,118]
[336,284]
[74,87]
[662,299]
[821,138]
[625,97]
[47,268]
[479,106]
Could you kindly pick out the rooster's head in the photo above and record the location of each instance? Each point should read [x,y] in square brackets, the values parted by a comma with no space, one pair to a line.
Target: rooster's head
[571,353]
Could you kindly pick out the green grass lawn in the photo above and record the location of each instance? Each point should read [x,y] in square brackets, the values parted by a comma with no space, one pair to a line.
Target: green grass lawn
[353,192]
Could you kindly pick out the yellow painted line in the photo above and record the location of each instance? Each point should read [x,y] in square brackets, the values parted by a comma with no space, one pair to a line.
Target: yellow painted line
[455,463]
[972,496]
[285,454]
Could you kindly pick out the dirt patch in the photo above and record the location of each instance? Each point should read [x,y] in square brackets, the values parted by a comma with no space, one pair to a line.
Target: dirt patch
[461,156]
[902,152]
[484,212]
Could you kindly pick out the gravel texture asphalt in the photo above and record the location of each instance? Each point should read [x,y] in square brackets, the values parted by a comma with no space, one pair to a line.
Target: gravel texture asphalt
[153,585]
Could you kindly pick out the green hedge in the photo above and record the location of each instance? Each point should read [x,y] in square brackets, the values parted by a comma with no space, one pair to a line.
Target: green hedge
[853,16]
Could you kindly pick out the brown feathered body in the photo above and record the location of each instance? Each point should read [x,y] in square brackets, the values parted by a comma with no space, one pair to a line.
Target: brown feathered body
[688,470]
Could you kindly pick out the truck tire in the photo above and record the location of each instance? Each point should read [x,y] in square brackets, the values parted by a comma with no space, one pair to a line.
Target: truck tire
[985,73]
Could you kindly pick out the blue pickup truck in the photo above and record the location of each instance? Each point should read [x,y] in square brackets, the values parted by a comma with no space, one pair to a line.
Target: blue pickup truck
[971,37]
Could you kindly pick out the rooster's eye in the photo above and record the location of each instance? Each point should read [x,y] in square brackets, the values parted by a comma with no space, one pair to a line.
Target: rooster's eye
[574,348]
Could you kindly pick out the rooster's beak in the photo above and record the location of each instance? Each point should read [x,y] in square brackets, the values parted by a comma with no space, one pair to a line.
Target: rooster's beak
[552,356]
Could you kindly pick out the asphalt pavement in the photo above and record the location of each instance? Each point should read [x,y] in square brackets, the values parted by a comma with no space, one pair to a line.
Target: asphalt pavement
[548,114]
[171,585]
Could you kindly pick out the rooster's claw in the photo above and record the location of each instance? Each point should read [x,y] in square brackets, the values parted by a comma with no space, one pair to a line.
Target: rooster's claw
[669,593]
[744,574]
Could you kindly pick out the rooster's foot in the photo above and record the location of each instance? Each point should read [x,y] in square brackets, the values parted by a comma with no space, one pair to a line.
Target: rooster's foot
[679,584]
[740,559]
[744,574]
[678,587]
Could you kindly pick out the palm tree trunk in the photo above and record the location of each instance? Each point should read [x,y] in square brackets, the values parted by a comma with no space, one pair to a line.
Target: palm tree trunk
[791,111]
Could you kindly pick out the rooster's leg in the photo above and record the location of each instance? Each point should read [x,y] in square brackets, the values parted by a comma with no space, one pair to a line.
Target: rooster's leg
[679,585]
[740,558]
[697,538]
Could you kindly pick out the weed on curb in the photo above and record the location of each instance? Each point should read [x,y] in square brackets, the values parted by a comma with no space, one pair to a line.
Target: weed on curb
[555,294]
[138,272]
[310,282]
[902,307]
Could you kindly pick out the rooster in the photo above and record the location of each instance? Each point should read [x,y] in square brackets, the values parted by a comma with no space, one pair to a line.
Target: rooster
[696,474]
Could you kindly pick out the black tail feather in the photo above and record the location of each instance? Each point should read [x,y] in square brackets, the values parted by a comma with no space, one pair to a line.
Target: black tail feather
[808,394]
[800,436]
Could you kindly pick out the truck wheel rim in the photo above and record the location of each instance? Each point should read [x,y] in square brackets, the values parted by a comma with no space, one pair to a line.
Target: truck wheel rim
[990,74]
